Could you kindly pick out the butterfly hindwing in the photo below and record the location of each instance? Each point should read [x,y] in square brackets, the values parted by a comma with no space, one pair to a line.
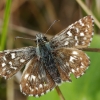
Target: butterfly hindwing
[77,35]
[11,61]
[71,60]
[32,82]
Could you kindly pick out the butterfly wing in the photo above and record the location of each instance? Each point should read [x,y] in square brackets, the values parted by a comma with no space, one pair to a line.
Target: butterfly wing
[11,61]
[71,60]
[35,80]
[78,35]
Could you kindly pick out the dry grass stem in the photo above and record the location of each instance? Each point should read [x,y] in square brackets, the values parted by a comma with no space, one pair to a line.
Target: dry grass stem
[91,49]
[60,93]
[85,8]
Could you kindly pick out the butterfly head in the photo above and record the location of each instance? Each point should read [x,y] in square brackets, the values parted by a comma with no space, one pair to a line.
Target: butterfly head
[41,39]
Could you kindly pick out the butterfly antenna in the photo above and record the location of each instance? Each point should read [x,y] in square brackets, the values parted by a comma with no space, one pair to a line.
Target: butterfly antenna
[17,37]
[51,25]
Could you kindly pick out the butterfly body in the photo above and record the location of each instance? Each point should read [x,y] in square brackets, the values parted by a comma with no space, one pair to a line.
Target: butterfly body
[45,55]
[51,62]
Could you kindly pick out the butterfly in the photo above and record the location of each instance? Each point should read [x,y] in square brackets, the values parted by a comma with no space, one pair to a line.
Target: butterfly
[52,61]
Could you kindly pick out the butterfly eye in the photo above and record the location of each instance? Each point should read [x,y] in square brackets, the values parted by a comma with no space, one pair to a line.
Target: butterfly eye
[39,40]
[45,39]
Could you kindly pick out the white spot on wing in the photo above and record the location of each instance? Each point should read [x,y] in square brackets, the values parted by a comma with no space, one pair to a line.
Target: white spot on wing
[10,63]
[42,93]
[74,52]
[26,84]
[31,89]
[86,30]
[7,51]
[3,64]
[69,33]
[8,71]
[80,58]
[77,69]
[81,66]
[4,69]
[82,74]
[92,20]
[36,88]
[76,44]
[47,91]
[32,77]
[22,60]
[73,70]
[77,76]
[91,39]
[4,58]
[88,26]
[24,93]
[83,42]
[13,67]
[40,86]
[5,77]
[39,77]
[81,23]
[45,85]
[36,96]
[69,73]
[71,59]
[67,64]
[84,38]
[30,94]
[12,55]
[77,30]
[89,44]
[26,75]
[92,33]
[81,34]
[66,43]
[76,38]
[87,67]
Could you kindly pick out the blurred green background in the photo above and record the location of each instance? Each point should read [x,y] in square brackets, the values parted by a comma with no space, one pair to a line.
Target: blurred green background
[26,18]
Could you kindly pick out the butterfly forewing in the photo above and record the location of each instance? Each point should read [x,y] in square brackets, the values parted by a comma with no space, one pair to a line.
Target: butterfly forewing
[11,61]
[78,34]
[32,82]
[71,60]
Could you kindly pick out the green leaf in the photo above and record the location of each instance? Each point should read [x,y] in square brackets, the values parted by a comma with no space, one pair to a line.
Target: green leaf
[5,24]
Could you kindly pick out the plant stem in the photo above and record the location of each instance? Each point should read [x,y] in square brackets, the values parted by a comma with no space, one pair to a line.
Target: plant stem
[85,8]
[60,93]
[91,49]
[5,24]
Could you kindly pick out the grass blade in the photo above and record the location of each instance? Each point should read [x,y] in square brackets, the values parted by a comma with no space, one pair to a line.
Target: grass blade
[5,24]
